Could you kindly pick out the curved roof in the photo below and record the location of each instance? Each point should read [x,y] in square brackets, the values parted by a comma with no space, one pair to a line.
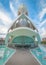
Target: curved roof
[22,19]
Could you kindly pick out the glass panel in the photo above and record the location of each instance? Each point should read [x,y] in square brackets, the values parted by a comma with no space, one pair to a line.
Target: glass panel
[23,40]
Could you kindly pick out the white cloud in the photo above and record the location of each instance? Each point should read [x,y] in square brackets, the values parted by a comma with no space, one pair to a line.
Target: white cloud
[43,9]
[5,18]
[42,23]
[42,13]
[14,4]
[3,29]
[13,9]
[43,3]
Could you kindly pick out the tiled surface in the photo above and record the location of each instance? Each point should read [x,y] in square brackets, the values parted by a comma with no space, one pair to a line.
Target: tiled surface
[7,55]
[22,57]
[40,55]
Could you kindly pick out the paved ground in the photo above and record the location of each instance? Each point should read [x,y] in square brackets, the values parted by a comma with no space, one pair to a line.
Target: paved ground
[22,57]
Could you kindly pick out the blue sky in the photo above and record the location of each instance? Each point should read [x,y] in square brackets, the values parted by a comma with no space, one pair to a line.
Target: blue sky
[36,10]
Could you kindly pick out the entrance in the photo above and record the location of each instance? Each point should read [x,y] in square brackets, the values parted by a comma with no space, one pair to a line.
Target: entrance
[23,40]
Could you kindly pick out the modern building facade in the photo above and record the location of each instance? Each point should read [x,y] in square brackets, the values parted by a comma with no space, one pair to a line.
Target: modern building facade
[22,31]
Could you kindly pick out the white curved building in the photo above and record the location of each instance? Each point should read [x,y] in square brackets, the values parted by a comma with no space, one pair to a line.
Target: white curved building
[23,31]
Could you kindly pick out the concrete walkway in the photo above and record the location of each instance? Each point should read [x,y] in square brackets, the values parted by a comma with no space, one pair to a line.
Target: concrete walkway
[22,57]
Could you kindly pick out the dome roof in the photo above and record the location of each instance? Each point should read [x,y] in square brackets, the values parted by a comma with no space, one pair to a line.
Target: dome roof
[22,10]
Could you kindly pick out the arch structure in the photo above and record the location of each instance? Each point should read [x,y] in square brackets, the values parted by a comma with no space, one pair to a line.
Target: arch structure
[23,36]
[23,31]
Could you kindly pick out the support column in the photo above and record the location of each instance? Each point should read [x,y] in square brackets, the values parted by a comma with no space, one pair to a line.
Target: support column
[6,39]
